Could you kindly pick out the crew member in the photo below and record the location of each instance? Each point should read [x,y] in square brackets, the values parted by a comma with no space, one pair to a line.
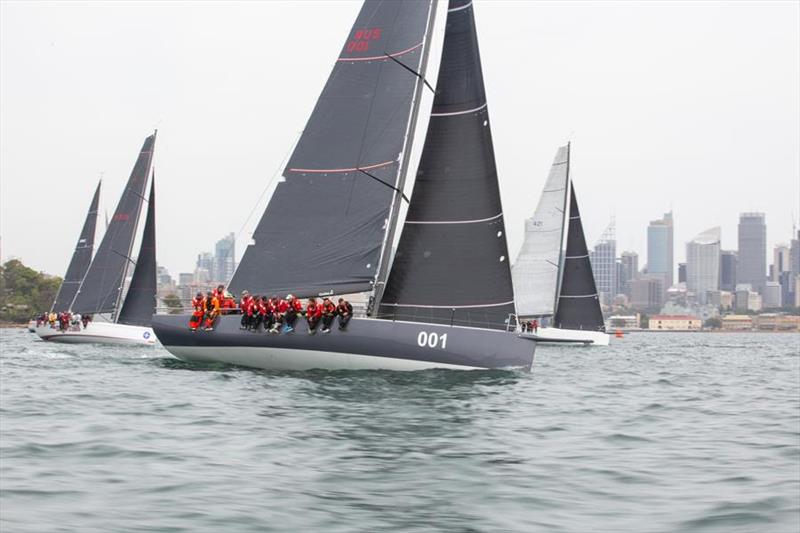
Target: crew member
[535,326]
[199,305]
[279,315]
[313,314]
[244,305]
[345,312]
[265,309]
[294,308]
[212,310]
[328,314]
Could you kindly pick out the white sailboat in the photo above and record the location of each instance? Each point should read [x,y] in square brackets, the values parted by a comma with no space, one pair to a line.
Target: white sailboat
[553,279]
[117,318]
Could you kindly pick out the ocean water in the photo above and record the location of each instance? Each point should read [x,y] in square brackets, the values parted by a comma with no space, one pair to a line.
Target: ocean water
[658,433]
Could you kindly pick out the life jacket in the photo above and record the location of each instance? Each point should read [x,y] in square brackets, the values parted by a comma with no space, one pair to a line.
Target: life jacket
[282,306]
[212,304]
[297,305]
[199,304]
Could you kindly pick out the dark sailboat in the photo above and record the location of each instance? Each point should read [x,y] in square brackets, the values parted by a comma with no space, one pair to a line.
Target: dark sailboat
[353,155]
[552,282]
[119,320]
[81,258]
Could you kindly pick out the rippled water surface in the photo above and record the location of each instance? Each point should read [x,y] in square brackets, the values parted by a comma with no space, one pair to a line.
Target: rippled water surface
[659,432]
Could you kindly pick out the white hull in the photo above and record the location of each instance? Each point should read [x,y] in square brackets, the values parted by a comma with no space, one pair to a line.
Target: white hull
[571,336]
[32,326]
[100,332]
[293,359]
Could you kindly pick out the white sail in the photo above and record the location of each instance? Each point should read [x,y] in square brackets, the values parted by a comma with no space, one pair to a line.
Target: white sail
[536,272]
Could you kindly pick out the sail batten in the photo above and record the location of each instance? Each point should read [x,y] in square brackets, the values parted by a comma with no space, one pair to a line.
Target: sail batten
[437,276]
[81,258]
[101,289]
[325,226]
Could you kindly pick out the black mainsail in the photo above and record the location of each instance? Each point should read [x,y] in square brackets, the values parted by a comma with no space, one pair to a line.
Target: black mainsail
[101,289]
[325,227]
[81,258]
[451,265]
[578,304]
[140,301]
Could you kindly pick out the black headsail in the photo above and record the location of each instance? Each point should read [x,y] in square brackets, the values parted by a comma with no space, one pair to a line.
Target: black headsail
[81,258]
[101,288]
[140,301]
[578,305]
[451,264]
[325,226]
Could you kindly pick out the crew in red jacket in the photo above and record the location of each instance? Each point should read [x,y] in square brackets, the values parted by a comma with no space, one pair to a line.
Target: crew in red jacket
[199,305]
[294,308]
[313,314]
[269,315]
[244,304]
[328,314]
[281,307]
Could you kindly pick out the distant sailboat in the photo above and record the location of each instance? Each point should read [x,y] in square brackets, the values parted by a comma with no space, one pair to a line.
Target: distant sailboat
[556,283]
[116,320]
[444,300]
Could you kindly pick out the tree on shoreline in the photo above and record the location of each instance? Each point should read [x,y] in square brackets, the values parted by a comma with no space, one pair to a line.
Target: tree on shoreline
[25,292]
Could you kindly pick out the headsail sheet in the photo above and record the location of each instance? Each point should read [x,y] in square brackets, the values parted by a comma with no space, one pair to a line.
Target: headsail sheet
[81,258]
[140,301]
[324,227]
[100,290]
[451,264]
[578,303]
[536,270]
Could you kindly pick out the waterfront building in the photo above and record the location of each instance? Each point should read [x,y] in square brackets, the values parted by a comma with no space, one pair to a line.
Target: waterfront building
[752,266]
[727,270]
[675,322]
[771,295]
[624,322]
[737,323]
[660,249]
[702,264]
[777,322]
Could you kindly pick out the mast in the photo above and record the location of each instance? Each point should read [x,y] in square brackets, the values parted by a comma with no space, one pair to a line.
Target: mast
[564,231]
[382,272]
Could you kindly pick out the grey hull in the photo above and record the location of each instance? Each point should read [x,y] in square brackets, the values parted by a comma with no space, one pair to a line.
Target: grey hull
[365,344]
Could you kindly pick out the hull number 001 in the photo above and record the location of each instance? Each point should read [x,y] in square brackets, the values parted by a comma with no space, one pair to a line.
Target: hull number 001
[432,340]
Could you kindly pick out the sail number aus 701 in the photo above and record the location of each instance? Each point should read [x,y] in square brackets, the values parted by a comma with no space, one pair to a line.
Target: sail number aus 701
[432,340]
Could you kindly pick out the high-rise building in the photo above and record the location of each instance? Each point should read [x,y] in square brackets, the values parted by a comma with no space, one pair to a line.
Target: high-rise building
[702,264]
[752,267]
[793,283]
[771,297]
[681,272]
[647,293]
[604,265]
[780,261]
[205,261]
[660,249]
[727,270]
[629,271]
[225,258]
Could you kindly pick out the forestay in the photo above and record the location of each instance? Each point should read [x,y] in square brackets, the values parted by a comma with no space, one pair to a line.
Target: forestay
[140,301]
[81,258]
[324,228]
[451,265]
[536,270]
[100,290]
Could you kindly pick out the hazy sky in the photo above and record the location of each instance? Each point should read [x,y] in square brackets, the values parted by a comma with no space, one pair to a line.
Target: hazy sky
[688,106]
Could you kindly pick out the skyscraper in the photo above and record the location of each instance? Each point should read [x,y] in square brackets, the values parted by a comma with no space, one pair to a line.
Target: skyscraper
[702,264]
[660,261]
[604,265]
[752,267]
[629,271]
[727,270]
[780,261]
[225,258]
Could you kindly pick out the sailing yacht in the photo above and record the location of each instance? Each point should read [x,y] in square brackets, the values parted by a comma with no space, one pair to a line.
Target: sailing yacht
[117,318]
[554,284]
[444,299]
